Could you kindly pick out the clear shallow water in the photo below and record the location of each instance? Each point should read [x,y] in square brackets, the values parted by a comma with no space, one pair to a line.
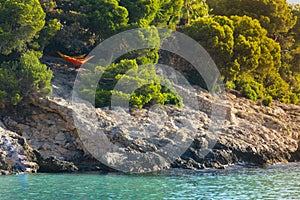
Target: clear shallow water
[275,182]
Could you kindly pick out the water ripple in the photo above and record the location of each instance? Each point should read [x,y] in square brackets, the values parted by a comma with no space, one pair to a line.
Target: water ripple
[275,182]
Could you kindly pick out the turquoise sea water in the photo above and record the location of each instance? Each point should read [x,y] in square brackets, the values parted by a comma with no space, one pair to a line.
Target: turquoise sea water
[274,182]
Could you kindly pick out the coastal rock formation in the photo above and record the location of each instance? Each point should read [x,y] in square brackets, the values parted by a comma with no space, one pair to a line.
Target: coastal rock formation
[58,137]
[15,154]
[51,130]
[259,135]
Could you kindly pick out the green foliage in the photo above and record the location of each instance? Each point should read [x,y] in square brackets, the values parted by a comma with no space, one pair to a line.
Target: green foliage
[247,58]
[294,32]
[274,15]
[20,21]
[147,95]
[9,87]
[294,82]
[267,101]
[253,50]
[24,78]
[117,78]
[277,87]
[215,34]
[85,23]
[168,13]
[48,32]
[147,37]
[238,45]
[141,12]
[35,77]
[194,9]
[294,98]
[103,17]
[250,88]
[229,85]
[290,68]
[257,50]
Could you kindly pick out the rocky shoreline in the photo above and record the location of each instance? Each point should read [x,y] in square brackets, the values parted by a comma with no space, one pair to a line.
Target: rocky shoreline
[40,135]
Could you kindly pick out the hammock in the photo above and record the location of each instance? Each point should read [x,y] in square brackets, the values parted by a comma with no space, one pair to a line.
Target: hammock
[76,61]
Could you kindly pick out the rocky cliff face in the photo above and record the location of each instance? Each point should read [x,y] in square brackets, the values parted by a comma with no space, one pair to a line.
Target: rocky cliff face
[44,134]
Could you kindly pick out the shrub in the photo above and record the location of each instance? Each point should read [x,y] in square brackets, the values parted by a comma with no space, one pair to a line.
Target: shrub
[277,87]
[119,79]
[9,88]
[24,78]
[20,22]
[229,85]
[267,101]
[294,98]
[250,88]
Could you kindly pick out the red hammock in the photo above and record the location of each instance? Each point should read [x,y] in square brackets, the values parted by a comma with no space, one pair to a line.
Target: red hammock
[75,61]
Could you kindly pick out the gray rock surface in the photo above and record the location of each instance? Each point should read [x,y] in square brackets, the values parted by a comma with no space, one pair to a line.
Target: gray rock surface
[15,154]
[258,135]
